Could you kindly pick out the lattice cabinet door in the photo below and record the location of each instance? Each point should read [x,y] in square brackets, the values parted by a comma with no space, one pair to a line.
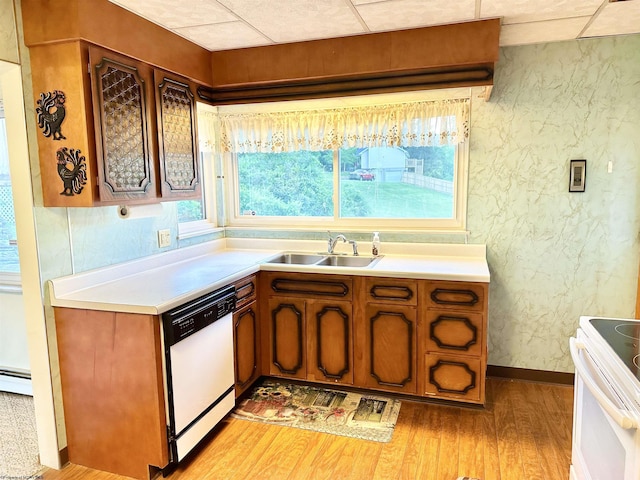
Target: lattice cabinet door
[177,136]
[123,109]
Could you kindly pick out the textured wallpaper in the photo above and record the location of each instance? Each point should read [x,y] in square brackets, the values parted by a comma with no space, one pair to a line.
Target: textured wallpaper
[556,255]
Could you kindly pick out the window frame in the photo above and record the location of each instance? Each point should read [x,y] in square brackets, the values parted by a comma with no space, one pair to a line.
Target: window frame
[209,166]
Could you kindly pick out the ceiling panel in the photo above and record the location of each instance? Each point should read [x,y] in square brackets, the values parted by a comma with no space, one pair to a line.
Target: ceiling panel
[540,32]
[403,14]
[521,11]
[224,36]
[615,19]
[186,14]
[297,20]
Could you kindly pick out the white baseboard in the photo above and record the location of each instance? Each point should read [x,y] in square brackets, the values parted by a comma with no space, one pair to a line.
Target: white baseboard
[12,384]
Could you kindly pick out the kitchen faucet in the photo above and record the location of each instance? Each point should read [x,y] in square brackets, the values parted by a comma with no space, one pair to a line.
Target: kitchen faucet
[331,245]
[332,241]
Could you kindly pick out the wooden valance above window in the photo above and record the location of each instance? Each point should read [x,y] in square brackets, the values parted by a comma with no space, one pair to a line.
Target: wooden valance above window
[457,55]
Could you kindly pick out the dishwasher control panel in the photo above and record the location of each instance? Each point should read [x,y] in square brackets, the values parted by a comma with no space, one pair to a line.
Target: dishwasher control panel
[184,321]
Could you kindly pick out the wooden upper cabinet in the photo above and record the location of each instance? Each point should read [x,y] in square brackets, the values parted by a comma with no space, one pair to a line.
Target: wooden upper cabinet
[177,136]
[64,117]
[113,130]
[122,93]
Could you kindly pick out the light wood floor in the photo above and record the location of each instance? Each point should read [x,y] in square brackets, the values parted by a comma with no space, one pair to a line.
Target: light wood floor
[523,433]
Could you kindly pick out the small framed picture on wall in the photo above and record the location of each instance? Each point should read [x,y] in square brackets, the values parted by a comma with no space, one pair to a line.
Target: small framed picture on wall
[577,175]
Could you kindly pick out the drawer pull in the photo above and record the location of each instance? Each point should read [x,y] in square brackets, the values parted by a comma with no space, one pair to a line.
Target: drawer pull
[406,292]
[333,289]
[473,297]
[443,318]
[440,363]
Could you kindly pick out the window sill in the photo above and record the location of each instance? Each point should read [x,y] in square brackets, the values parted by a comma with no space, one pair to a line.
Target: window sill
[10,283]
[195,229]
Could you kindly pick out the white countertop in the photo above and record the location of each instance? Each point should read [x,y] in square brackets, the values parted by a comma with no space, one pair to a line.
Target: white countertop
[155,284]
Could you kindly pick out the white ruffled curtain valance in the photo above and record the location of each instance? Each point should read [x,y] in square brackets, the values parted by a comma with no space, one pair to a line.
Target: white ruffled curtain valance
[444,122]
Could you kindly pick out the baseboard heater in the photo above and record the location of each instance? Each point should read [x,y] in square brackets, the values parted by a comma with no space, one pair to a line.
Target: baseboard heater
[15,381]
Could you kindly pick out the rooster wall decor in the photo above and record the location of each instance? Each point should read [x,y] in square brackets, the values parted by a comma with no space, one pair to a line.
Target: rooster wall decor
[51,121]
[72,170]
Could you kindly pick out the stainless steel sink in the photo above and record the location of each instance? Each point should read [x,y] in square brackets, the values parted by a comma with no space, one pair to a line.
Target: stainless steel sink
[344,261]
[298,258]
[324,260]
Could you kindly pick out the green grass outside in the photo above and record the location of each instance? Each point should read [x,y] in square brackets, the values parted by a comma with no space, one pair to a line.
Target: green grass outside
[399,200]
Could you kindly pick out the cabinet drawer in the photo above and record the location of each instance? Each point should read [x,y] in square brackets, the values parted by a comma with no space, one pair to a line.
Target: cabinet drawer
[310,286]
[456,296]
[391,290]
[454,332]
[454,377]
[246,290]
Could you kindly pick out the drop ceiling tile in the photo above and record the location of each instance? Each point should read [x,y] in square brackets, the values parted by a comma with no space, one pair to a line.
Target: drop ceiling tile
[615,19]
[539,32]
[403,14]
[188,13]
[523,11]
[223,36]
[297,20]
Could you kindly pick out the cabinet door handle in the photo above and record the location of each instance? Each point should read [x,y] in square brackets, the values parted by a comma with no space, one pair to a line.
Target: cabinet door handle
[445,318]
[473,297]
[274,345]
[406,292]
[333,289]
[439,363]
[345,325]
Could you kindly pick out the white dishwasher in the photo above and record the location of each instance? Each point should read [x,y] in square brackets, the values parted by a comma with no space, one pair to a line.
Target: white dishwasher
[198,345]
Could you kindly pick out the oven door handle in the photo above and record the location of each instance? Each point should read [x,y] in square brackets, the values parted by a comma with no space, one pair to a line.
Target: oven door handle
[621,417]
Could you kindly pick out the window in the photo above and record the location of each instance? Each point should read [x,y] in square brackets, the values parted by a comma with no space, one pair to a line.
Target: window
[376,182]
[288,184]
[406,172]
[196,217]
[9,261]
[194,210]
[392,182]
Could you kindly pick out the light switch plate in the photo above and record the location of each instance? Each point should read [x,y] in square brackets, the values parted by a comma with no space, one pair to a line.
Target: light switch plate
[164,238]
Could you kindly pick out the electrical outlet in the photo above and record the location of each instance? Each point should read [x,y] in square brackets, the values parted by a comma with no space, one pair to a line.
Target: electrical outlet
[164,238]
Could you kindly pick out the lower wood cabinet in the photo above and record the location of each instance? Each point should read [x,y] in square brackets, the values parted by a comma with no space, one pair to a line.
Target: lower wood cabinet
[309,323]
[410,336]
[246,334]
[329,341]
[287,334]
[112,388]
[246,339]
[454,340]
[389,333]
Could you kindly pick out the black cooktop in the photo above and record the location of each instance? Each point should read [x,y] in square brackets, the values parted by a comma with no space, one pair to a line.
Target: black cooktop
[624,337]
